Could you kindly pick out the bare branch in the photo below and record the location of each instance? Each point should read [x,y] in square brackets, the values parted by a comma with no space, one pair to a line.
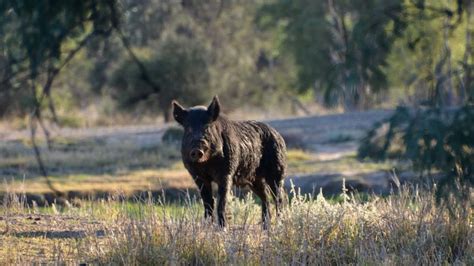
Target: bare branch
[53,72]
[35,116]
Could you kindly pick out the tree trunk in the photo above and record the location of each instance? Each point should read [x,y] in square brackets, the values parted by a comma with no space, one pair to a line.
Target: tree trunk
[467,86]
[167,115]
[448,84]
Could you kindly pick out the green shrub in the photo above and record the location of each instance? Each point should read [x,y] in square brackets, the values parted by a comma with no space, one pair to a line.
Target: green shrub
[432,139]
[178,68]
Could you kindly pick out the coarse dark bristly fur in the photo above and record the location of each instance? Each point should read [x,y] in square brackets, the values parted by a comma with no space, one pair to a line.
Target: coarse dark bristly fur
[241,153]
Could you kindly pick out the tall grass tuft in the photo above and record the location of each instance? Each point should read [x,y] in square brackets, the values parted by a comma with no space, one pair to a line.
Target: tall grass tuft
[406,228]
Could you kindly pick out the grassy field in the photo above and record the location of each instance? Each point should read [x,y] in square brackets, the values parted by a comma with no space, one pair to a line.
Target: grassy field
[407,228]
[130,201]
[103,167]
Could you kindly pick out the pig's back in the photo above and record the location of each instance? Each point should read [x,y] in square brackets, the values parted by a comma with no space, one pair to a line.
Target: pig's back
[260,149]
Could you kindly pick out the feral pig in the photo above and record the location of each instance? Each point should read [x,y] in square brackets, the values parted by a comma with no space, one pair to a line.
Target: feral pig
[241,153]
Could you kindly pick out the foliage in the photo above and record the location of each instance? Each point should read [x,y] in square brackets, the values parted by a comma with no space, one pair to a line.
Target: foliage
[432,59]
[179,66]
[35,36]
[339,47]
[433,139]
[352,51]
[259,53]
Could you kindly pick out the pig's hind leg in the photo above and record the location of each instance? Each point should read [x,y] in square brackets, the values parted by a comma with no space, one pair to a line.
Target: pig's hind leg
[259,188]
[274,170]
[275,182]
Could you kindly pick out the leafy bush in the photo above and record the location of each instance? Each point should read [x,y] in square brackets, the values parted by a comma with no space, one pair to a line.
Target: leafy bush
[432,139]
[179,69]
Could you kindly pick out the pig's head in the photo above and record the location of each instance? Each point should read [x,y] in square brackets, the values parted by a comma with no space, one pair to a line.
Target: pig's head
[202,138]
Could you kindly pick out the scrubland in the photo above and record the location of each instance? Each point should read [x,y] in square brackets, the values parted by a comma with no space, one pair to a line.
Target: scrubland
[407,227]
[105,220]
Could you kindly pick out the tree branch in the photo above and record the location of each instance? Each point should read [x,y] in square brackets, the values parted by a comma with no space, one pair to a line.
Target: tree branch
[126,44]
[141,66]
[35,116]
[54,71]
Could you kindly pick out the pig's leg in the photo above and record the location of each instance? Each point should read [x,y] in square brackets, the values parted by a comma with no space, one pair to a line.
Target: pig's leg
[259,188]
[276,188]
[224,194]
[205,188]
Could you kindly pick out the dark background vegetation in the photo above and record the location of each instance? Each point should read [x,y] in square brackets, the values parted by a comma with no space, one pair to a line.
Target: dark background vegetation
[124,55]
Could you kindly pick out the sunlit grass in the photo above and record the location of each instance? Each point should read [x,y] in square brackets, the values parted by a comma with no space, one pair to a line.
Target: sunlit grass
[94,166]
[298,155]
[127,182]
[302,162]
[169,173]
[406,228]
[87,156]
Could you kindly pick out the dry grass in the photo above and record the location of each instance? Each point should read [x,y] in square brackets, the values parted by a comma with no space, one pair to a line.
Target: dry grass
[85,156]
[93,164]
[408,228]
[301,162]
[96,165]
[126,182]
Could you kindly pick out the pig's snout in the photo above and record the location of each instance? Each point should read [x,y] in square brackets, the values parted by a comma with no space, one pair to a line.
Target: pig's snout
[196,154]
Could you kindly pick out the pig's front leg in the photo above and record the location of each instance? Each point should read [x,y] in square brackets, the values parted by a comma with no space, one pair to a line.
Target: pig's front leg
[205,188]
[225,187]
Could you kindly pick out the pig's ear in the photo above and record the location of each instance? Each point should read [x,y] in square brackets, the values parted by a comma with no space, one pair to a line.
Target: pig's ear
[179,113]
[214,108]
